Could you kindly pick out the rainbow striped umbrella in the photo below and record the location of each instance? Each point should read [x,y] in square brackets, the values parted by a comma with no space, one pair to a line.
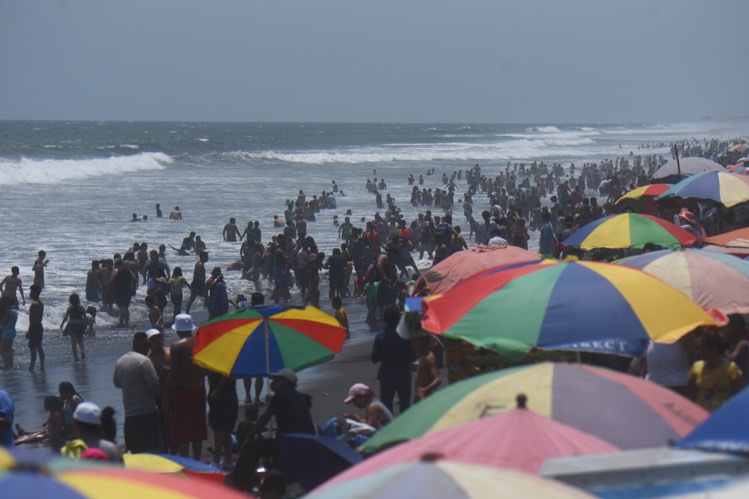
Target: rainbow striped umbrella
[168,464]
[588,306]
[105,482]
[257,341]
[710,279]
[626,411]
[435,477]
[725,188]
[629,230]
[646,191]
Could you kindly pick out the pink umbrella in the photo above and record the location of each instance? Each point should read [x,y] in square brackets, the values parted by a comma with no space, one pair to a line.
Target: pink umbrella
[519,439]
[464,264]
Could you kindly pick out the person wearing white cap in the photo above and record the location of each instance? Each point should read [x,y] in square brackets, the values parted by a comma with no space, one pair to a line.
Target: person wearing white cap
[292,412]
[87,420]
[363,397]
[187,393]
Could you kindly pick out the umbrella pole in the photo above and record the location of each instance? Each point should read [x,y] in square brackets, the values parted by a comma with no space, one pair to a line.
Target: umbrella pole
[678,164]
[267,351]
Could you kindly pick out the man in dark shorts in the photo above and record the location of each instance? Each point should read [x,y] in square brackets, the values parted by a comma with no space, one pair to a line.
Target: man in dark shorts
[292,412]
[187,393]
[135,374]
[34,334]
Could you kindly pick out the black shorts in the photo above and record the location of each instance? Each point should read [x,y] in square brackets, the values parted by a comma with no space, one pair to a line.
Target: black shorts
[35,335]
[143,433]
[123,300]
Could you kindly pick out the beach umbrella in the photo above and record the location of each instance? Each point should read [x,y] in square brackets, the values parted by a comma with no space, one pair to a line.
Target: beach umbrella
[725,188]
[725,430]
[710,279]
[737,148]
[588,306]
[629,230]
[169,464]
[257,341]
[624,410]
[311,460]
[519,439]
[439,478]
[646,191]
[105,482]
[463,264]
[687,166]
[733,239]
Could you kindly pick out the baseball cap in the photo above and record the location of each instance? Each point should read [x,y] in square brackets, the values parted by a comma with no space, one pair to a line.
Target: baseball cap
[152,332]
[356,390]
[286,374]
[183,322]
[87,412]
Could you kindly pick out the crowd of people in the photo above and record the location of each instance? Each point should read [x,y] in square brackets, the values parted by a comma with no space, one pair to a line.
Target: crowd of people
[164,393]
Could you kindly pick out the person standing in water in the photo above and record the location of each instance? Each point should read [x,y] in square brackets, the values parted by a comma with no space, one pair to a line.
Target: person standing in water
[12,284]
[34,334]
[175,214]
[38,268]
[231,232]
[76,315]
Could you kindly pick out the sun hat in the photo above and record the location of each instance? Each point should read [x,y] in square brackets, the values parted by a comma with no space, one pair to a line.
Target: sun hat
[286,374]
[356,390]
[183,322]
[88,413]
[152,332]
[687,215]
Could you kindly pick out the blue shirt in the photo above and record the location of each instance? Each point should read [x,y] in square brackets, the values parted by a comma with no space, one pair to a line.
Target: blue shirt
[546,243]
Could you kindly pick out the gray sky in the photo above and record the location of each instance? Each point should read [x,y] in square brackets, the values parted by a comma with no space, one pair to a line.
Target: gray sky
[375,60]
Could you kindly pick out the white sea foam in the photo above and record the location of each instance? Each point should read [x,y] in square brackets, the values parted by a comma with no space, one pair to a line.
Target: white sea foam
[53,171]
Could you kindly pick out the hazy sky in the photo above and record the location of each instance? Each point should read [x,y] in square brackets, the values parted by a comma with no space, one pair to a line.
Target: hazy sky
[375,60]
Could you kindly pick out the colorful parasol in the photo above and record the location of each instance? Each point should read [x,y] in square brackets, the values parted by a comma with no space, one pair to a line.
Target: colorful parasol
[710,279]
[434,477]
[463,264]
[626,411]
[629,230]
[734,239]
[725,188]
[169,464]
[597,307]
[519,439]
[686,167]
[106,482]
[261,340]
[724,430]
[646,191]
[737,148]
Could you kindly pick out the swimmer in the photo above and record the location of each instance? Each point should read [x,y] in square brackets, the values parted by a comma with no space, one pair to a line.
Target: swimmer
[158,211]
[135,218]
[231,232]
[175,214]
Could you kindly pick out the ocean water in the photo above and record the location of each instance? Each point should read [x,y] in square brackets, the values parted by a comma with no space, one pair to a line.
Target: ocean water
[70,188]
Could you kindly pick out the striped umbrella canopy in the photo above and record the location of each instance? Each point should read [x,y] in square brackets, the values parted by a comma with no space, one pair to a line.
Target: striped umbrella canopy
[436,478]
[257,341]
[624,410]
[105,482]
[629,230]
[169,464]
[725,188]
[463,264]
[725,429]
[710,279]
[519,439]
[734,239]
[589,306]
[687,166]
[647,191]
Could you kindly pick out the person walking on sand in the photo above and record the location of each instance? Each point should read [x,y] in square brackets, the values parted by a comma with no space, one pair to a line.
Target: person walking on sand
[34,334]
[187,393]
[135,374]
[395,356]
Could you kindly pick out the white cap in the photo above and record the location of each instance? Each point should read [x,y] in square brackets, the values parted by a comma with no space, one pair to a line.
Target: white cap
[152,332]
[87,412]
[286,374]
